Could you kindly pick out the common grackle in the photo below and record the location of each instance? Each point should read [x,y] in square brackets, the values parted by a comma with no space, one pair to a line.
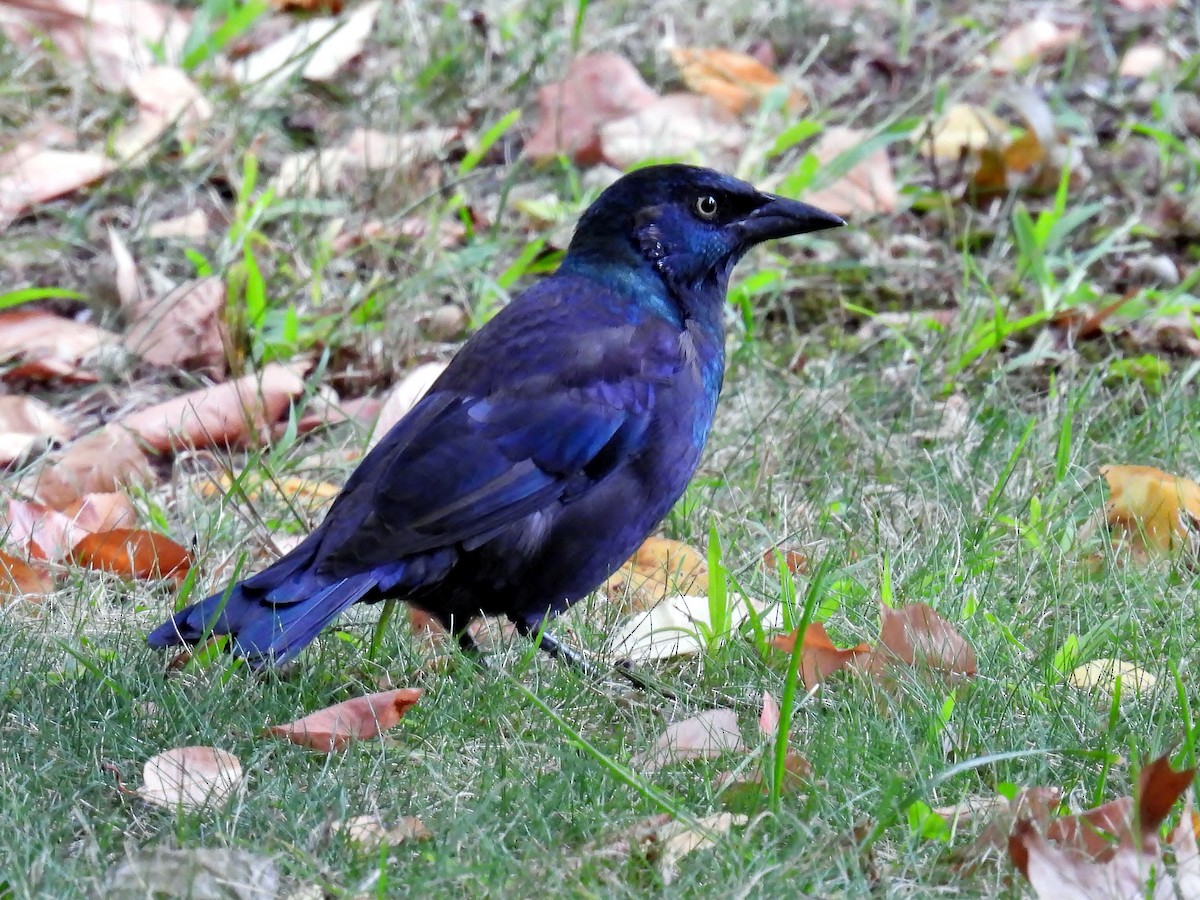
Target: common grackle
[556,440]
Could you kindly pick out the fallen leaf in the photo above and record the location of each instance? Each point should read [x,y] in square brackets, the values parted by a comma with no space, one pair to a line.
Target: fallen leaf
[42,346]
[102,461]
[290,490]
[768,719]
[1147,5]
[198,873]
[1083,864]
[961,132]
[745,789]
[130,290]
[736,81]
[26,423]
[918,636]
[333,169]
[316,49]
[167,99]
[709,734]
[868,187]
[684,127]
[660,567]
[119,39]
[676,626]
[1147,508]
[101,511]
[192,226]
[1103,675]
[19,578]
[1143,60]
[190,778]
[371,832]
[1035,40]
[131,553]
[409,230]
[1035,804]
[678,839]
[597,89]
[235,413]
[186,329]
[336,727]
[44,532]
[403,397]
[795,561]
[819,656]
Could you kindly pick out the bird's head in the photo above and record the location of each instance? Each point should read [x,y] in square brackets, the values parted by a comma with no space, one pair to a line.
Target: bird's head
[688,224]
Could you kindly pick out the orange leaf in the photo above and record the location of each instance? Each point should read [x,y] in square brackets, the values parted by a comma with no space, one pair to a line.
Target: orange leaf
[18,578]
[919,636]
[796,562]
[43,346]
[336,727]
[97,463]
[102,512]
[1146,507]
[45,532]
[132,553]
[819,656]
[233,413]
[734,80]
[659,568]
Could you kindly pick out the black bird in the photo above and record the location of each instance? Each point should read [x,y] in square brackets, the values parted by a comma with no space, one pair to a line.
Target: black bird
[556,440]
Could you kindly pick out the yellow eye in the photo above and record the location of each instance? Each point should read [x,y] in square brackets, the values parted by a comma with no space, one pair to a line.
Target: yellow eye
[706,206]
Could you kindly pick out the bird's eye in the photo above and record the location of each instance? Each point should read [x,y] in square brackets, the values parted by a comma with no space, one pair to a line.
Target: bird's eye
[706,206]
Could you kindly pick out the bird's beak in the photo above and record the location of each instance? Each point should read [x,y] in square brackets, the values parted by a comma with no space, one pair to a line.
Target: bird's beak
[780,217]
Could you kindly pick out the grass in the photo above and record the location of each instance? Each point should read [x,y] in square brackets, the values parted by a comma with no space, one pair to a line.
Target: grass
[981,524]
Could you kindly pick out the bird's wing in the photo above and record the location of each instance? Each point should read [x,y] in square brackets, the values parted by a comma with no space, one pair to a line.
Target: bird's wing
[460,468]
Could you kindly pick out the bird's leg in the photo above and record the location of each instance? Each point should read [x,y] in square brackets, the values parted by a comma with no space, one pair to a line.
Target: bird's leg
[557,649]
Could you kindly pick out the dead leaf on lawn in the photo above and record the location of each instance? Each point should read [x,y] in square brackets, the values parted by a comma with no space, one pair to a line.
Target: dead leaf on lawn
[1035,804]
[1103,853]
[1035,40]
[659,568]
[101,462]
[31,177]
[675,626]
[132,553]
[917,636]
[1143,60]
[409,230]
[1147,5]
[186,329]
[309,495]
[316,49]
[119,39]
[196,873]
[102,511]
[677,840]
[19,578]
[1104,675]
[736,81]
[235,413]
[686,127]
[795,560]
[711,733]
[404,396]
[43,532]
[167,99]
[42,346]
[961,132]
[190,778]
[336,727]
[190,226]
[819,656]
[334,169]
[1147,509]
[597,89]
[867,188]
[26,424]
[371,832]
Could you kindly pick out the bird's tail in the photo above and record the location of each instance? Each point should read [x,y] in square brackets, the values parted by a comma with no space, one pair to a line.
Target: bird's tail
[269,622]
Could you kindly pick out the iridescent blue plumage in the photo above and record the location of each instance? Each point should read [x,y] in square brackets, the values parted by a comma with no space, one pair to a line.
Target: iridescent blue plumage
[553,444]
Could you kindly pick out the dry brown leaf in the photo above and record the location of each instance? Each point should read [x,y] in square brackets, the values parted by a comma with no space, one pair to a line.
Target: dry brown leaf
[677,840]
[329,7]
[336,727]
[1110,851]
[97,463]
[167,99]
[31,178]
[190,778]
[185,329]
[119,39]
[26,423]
[1035,40]
[192,225]
[1035,804]
[292,490]
[235,413]
[39,345]
[316,49]
[736,81]
[371,832]
[819,656]
[403,397]
[132,553]
[1147,5]
[709,734]
[962,131]
[43,532]
[597,89]
[917,636]
[867,188]
[333,169]
[130,290]
[19,578]
[410,229]
[686,127]
[795,561]
[659,568]
[1147,509]
[102,512]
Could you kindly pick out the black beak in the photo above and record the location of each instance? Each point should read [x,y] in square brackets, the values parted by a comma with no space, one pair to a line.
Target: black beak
[780,217]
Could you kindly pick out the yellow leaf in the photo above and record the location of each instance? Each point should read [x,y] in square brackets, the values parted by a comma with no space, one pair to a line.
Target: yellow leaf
[1150,510]
[734,80]
[1102,674]
[962,130]
[659,568]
